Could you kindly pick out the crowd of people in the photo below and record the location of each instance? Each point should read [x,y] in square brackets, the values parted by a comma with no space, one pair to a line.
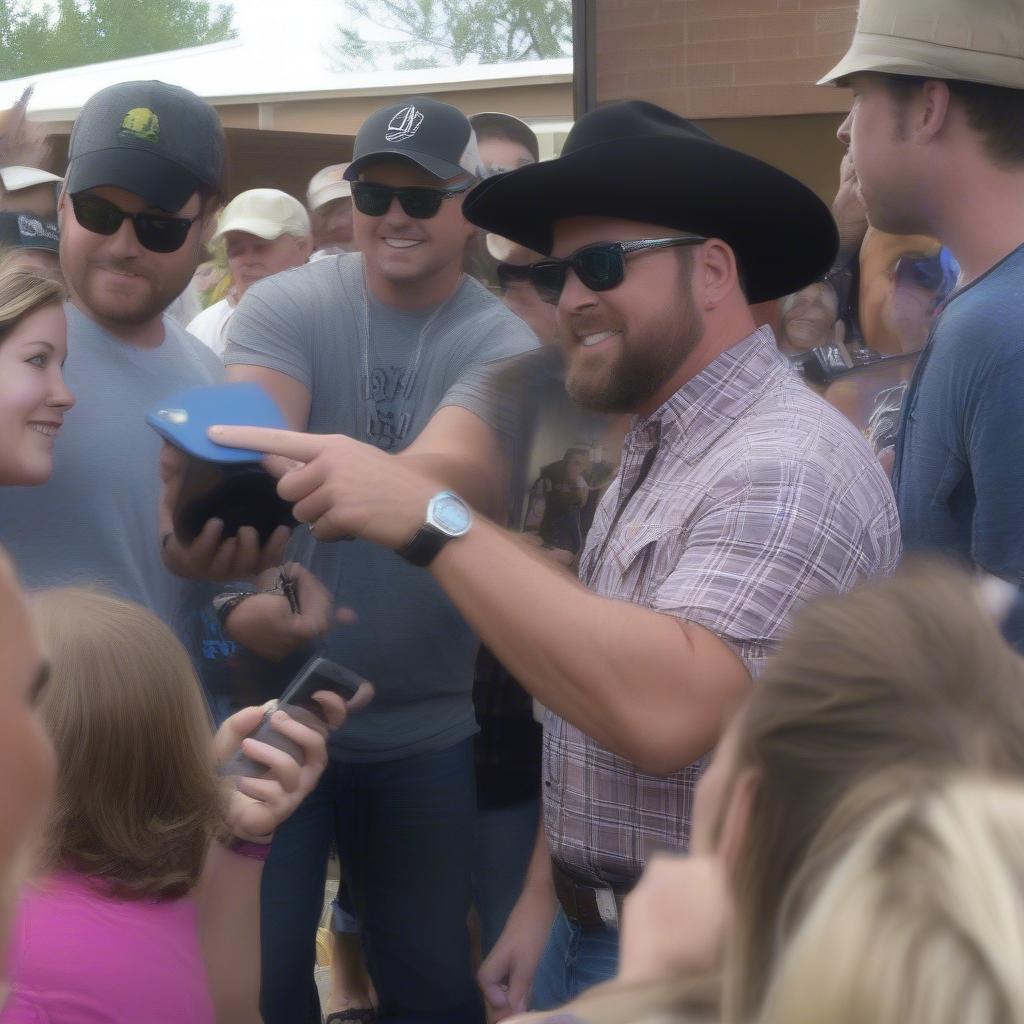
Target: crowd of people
[598,471]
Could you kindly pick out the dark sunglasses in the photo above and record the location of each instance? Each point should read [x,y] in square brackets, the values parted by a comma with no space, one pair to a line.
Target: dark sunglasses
[374,200]
[599,267]
[157,232]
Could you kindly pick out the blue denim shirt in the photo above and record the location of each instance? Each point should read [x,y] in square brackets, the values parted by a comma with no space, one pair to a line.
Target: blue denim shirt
[959,469]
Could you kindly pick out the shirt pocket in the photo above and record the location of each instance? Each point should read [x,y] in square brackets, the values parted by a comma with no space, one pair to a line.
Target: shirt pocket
[639,549]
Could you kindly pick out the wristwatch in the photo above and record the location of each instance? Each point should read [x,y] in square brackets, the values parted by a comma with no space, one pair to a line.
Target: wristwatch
[448,517]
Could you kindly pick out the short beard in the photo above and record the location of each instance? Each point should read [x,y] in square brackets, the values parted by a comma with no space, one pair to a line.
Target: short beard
[638,375]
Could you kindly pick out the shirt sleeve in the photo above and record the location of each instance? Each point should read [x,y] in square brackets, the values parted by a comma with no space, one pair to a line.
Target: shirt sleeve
[270,328]
[496,390]
[787,536]
[994,441]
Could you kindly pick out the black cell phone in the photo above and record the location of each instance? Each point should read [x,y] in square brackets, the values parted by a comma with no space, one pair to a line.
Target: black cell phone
[240,494]
[297,701]
[320,674]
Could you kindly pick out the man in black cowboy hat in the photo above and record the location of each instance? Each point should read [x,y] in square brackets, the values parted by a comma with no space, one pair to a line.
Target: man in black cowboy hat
[740,496]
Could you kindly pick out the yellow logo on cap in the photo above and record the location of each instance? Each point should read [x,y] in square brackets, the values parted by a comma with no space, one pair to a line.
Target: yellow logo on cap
[141,123]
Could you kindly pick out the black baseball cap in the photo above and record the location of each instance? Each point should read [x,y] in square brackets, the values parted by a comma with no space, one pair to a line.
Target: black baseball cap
[158,141]
[433,135]
[28,231]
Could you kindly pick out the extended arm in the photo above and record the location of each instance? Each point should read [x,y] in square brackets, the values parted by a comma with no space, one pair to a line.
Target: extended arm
[649,686]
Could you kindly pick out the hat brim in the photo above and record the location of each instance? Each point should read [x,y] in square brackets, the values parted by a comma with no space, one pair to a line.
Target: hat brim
[15,178]
[329,193]
[265,229]
[443,170]
[42,244]
[511,126]
[161,182]
[783,235]
[891,55]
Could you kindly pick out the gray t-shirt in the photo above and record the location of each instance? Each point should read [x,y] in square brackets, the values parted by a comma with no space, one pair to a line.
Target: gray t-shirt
[95,521]
[378,375]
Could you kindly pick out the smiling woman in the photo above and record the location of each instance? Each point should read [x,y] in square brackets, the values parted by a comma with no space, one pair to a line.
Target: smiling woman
[33,396]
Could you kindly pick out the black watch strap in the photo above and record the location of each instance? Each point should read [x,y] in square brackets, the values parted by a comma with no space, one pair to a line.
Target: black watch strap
[424,547]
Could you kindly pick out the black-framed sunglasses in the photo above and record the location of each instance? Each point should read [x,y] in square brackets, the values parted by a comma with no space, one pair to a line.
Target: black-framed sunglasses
[157,232]
[512,273]
[418,202]
[599,267]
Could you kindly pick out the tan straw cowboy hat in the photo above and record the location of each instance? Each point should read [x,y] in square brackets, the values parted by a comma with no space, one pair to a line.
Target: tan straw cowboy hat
[969,40]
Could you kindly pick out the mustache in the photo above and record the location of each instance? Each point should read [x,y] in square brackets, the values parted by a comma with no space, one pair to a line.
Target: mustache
[127,266]
[582,325]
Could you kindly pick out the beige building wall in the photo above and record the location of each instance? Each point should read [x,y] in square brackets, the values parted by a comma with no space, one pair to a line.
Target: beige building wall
[281,143]
[744,69]
[343,116]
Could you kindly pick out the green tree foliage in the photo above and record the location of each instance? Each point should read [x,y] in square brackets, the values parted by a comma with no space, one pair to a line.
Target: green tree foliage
[71,33]
[437,33]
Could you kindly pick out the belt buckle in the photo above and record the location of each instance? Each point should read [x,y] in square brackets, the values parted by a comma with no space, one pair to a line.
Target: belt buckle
[607,907]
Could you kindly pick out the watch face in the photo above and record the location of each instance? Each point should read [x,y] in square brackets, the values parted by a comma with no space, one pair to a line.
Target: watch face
[450,515]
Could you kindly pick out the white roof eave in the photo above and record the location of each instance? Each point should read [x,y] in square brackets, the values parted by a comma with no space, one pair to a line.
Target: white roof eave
[231,73]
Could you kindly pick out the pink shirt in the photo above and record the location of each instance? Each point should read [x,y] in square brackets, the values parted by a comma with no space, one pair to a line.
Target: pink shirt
[79,957]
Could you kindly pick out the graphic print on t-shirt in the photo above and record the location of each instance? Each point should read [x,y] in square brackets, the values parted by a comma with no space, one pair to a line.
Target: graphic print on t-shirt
[391,409]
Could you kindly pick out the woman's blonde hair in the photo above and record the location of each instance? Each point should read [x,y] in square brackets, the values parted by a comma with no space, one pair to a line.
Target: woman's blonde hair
[898,680]
[23,291]
[137,799]
[908,674]
[921,921]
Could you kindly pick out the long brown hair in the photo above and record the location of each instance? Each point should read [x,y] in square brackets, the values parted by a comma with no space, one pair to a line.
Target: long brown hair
[905,673]
[137,799]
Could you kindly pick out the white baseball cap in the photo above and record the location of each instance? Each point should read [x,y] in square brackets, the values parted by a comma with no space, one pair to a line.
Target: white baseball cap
[265,212]
[327,184]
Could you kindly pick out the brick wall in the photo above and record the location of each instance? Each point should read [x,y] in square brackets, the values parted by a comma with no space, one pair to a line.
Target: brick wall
[723,58]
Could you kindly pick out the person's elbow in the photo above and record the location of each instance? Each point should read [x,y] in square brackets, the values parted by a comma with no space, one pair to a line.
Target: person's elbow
[665,746]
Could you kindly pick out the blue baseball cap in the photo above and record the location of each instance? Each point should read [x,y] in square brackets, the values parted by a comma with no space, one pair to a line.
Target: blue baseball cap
[184,418]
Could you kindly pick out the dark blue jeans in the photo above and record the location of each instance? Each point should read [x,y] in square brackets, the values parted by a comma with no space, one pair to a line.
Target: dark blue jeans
[505,837]
[574,960]
[404,831]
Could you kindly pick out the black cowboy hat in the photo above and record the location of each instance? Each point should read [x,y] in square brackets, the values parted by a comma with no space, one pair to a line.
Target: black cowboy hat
[637,161]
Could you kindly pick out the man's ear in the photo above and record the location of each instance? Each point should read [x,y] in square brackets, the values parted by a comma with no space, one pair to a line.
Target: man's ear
[933,114]
[716,272]
[734,833]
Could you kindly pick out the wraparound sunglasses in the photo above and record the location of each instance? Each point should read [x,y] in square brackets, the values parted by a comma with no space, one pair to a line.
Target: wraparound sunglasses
[599,267]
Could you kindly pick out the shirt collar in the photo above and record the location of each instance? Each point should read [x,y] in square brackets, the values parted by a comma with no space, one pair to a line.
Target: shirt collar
[707,405]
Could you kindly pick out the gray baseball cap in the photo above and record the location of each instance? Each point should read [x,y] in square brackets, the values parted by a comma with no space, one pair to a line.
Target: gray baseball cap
[433,135]
[158,141]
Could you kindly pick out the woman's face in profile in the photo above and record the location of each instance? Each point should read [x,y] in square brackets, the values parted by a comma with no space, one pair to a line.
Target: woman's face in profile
[33,396]
[27,764]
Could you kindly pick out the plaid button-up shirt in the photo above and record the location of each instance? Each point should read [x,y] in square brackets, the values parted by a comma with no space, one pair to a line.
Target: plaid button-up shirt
[760,497]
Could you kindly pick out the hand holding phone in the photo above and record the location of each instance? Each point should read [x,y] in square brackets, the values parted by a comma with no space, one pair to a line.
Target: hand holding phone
[297,702]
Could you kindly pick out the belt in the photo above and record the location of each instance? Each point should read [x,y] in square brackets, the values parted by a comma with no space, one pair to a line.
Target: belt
[590,906]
